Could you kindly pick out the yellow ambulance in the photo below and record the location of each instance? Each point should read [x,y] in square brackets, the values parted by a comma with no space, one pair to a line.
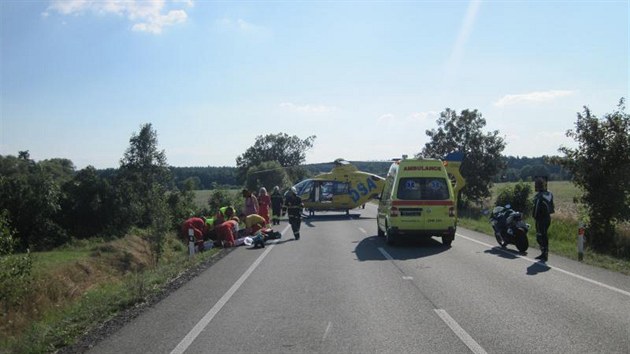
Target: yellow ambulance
[419,200]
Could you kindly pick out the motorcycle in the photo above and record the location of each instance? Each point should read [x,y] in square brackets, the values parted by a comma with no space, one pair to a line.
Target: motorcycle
[509,228]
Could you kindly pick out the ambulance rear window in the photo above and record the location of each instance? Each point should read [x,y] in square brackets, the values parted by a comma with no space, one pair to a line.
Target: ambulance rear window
[422,188]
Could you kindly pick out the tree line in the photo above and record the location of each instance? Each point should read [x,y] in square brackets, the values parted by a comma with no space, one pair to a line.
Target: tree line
[45,204]
[225,177]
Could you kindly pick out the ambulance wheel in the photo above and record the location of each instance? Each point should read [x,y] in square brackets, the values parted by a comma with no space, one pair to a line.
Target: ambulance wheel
[390,237]
[447,240]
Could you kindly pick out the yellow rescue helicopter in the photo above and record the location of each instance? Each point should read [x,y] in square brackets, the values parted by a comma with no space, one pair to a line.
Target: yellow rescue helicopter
[341,189]
[453,162]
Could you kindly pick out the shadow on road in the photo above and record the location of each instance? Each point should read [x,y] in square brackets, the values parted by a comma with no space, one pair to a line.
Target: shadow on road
[503,252]
[507,253]
[368,248]
[313,219]
[536,268]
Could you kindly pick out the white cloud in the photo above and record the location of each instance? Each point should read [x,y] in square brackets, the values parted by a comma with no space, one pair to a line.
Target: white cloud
[539,96]
[147,16]
[188,3]
[243,27]
[421,117]
[387,118]
[67,7]
[306,108]
[155,24]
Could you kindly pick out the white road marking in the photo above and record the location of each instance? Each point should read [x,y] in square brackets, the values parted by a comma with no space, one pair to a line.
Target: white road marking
[199,327]
[460,332]
[363,230]
[385,254]
[450,322]
[620,291]
[327,331]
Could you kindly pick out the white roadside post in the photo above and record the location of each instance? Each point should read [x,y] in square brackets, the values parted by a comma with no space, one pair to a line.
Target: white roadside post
[581,242]
[191,242]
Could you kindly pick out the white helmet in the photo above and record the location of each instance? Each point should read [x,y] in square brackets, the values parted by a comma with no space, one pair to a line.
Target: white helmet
[293,190]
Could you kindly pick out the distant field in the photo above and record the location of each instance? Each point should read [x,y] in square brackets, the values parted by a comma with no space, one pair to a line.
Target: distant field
[202,196]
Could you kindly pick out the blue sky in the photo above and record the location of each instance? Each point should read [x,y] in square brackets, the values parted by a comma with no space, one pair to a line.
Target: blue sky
[368,78]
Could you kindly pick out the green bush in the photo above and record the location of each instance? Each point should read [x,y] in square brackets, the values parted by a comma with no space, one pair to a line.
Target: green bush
[517,195]
[15,270]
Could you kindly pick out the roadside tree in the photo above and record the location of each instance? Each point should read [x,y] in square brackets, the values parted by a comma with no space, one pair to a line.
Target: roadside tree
[600,166]
[220,198]
[143,187]
[87,204]
[143,168]
[482,152]
[267,174]
[31,195]
[288,151]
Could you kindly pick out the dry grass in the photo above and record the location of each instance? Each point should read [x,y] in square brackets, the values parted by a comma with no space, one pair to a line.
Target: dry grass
[58,282]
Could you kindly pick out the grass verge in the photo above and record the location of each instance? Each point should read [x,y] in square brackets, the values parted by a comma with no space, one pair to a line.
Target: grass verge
[78,288]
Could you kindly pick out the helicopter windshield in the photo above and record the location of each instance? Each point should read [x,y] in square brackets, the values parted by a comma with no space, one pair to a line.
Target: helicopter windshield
[304,187]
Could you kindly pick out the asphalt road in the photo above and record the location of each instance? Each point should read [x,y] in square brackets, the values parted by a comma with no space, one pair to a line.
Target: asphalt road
[341,289]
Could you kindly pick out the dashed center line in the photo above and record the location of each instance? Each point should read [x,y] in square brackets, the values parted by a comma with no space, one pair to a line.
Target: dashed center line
[444,316]
[327,331]
[460,332]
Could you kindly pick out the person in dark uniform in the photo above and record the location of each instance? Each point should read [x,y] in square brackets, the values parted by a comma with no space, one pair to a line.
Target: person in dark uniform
[294,206]
[276,205]
[543,208]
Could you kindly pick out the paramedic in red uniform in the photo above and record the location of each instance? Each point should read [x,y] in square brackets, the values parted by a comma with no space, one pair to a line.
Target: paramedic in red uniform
[198,225]
[227,232]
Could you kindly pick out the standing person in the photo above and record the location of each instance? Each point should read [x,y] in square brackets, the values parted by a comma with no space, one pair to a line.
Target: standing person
[543,208]
[264,202]
[251,203]
[276,205]
[294,206]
